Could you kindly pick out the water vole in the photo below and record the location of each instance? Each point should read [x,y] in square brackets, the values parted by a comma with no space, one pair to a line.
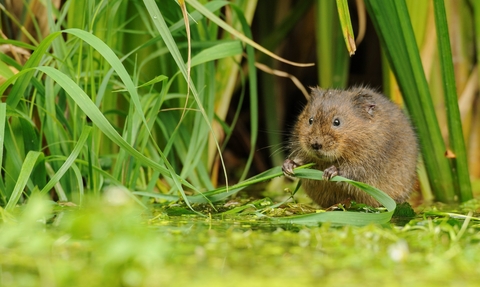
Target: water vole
[358,134]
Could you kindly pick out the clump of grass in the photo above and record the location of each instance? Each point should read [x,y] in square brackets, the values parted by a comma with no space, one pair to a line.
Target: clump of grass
[93,119]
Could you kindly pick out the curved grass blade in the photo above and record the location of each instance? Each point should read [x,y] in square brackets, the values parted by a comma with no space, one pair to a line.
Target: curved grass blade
[18,90]
[25,172]
[69,161]
[224,192]
[337,218]
[97,117]
[167,37]
[212,17]
[379,195]
[78,176]
[252,76]
[92,111]
[19,138]
[20,86]
[116,64]
[341,218]
[5,71]
[196,16]
[183,8]
[3,118]
[222,50]
[62,196]
[346,24]
[347,217]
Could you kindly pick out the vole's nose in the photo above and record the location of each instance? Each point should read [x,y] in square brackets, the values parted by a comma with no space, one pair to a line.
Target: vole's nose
[316,146]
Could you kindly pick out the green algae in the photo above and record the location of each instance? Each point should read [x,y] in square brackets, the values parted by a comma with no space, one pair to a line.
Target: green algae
[123,245]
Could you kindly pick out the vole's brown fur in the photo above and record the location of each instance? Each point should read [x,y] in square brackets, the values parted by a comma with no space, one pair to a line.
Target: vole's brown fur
[358,134]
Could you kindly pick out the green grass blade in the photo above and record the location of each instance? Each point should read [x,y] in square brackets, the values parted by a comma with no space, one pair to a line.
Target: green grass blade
[97,117]
[79,178]
[18,90]
[16,43]
[392,22]
[18,139]
[212,17]
[222,192]
[5,70]
[196,16]
[219,51]
[116,64]
[92,111]
[379,195]
[456,139]
[69,161]
[59,188]
[332,57]
[25,173]
[348,217]
[344,218]
[271,35]
[346,24]
[337,218]
[252,75]
[3,118]
[167,37]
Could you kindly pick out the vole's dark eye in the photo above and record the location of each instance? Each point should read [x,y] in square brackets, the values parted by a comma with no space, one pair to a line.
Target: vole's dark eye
[310,121]
[336,122]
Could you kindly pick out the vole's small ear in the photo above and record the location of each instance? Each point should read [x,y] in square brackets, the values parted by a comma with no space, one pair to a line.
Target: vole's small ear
[369,108]
[365,102]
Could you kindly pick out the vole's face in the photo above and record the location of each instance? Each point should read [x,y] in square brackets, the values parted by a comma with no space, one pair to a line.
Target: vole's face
[328,126]
[321,131]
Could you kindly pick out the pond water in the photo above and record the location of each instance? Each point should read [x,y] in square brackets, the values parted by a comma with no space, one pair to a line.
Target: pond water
[102,245]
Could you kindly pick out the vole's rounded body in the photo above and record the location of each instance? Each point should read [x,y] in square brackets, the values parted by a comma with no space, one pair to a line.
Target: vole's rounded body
[358,134]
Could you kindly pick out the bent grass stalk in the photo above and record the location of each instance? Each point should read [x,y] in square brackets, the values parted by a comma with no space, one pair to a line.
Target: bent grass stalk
[340,218]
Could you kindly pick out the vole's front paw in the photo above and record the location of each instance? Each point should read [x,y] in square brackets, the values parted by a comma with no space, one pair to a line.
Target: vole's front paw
[288,166]
[330,172]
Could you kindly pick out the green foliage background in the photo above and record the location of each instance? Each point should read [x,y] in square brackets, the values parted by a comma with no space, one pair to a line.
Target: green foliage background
[104,111]
[124,94]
